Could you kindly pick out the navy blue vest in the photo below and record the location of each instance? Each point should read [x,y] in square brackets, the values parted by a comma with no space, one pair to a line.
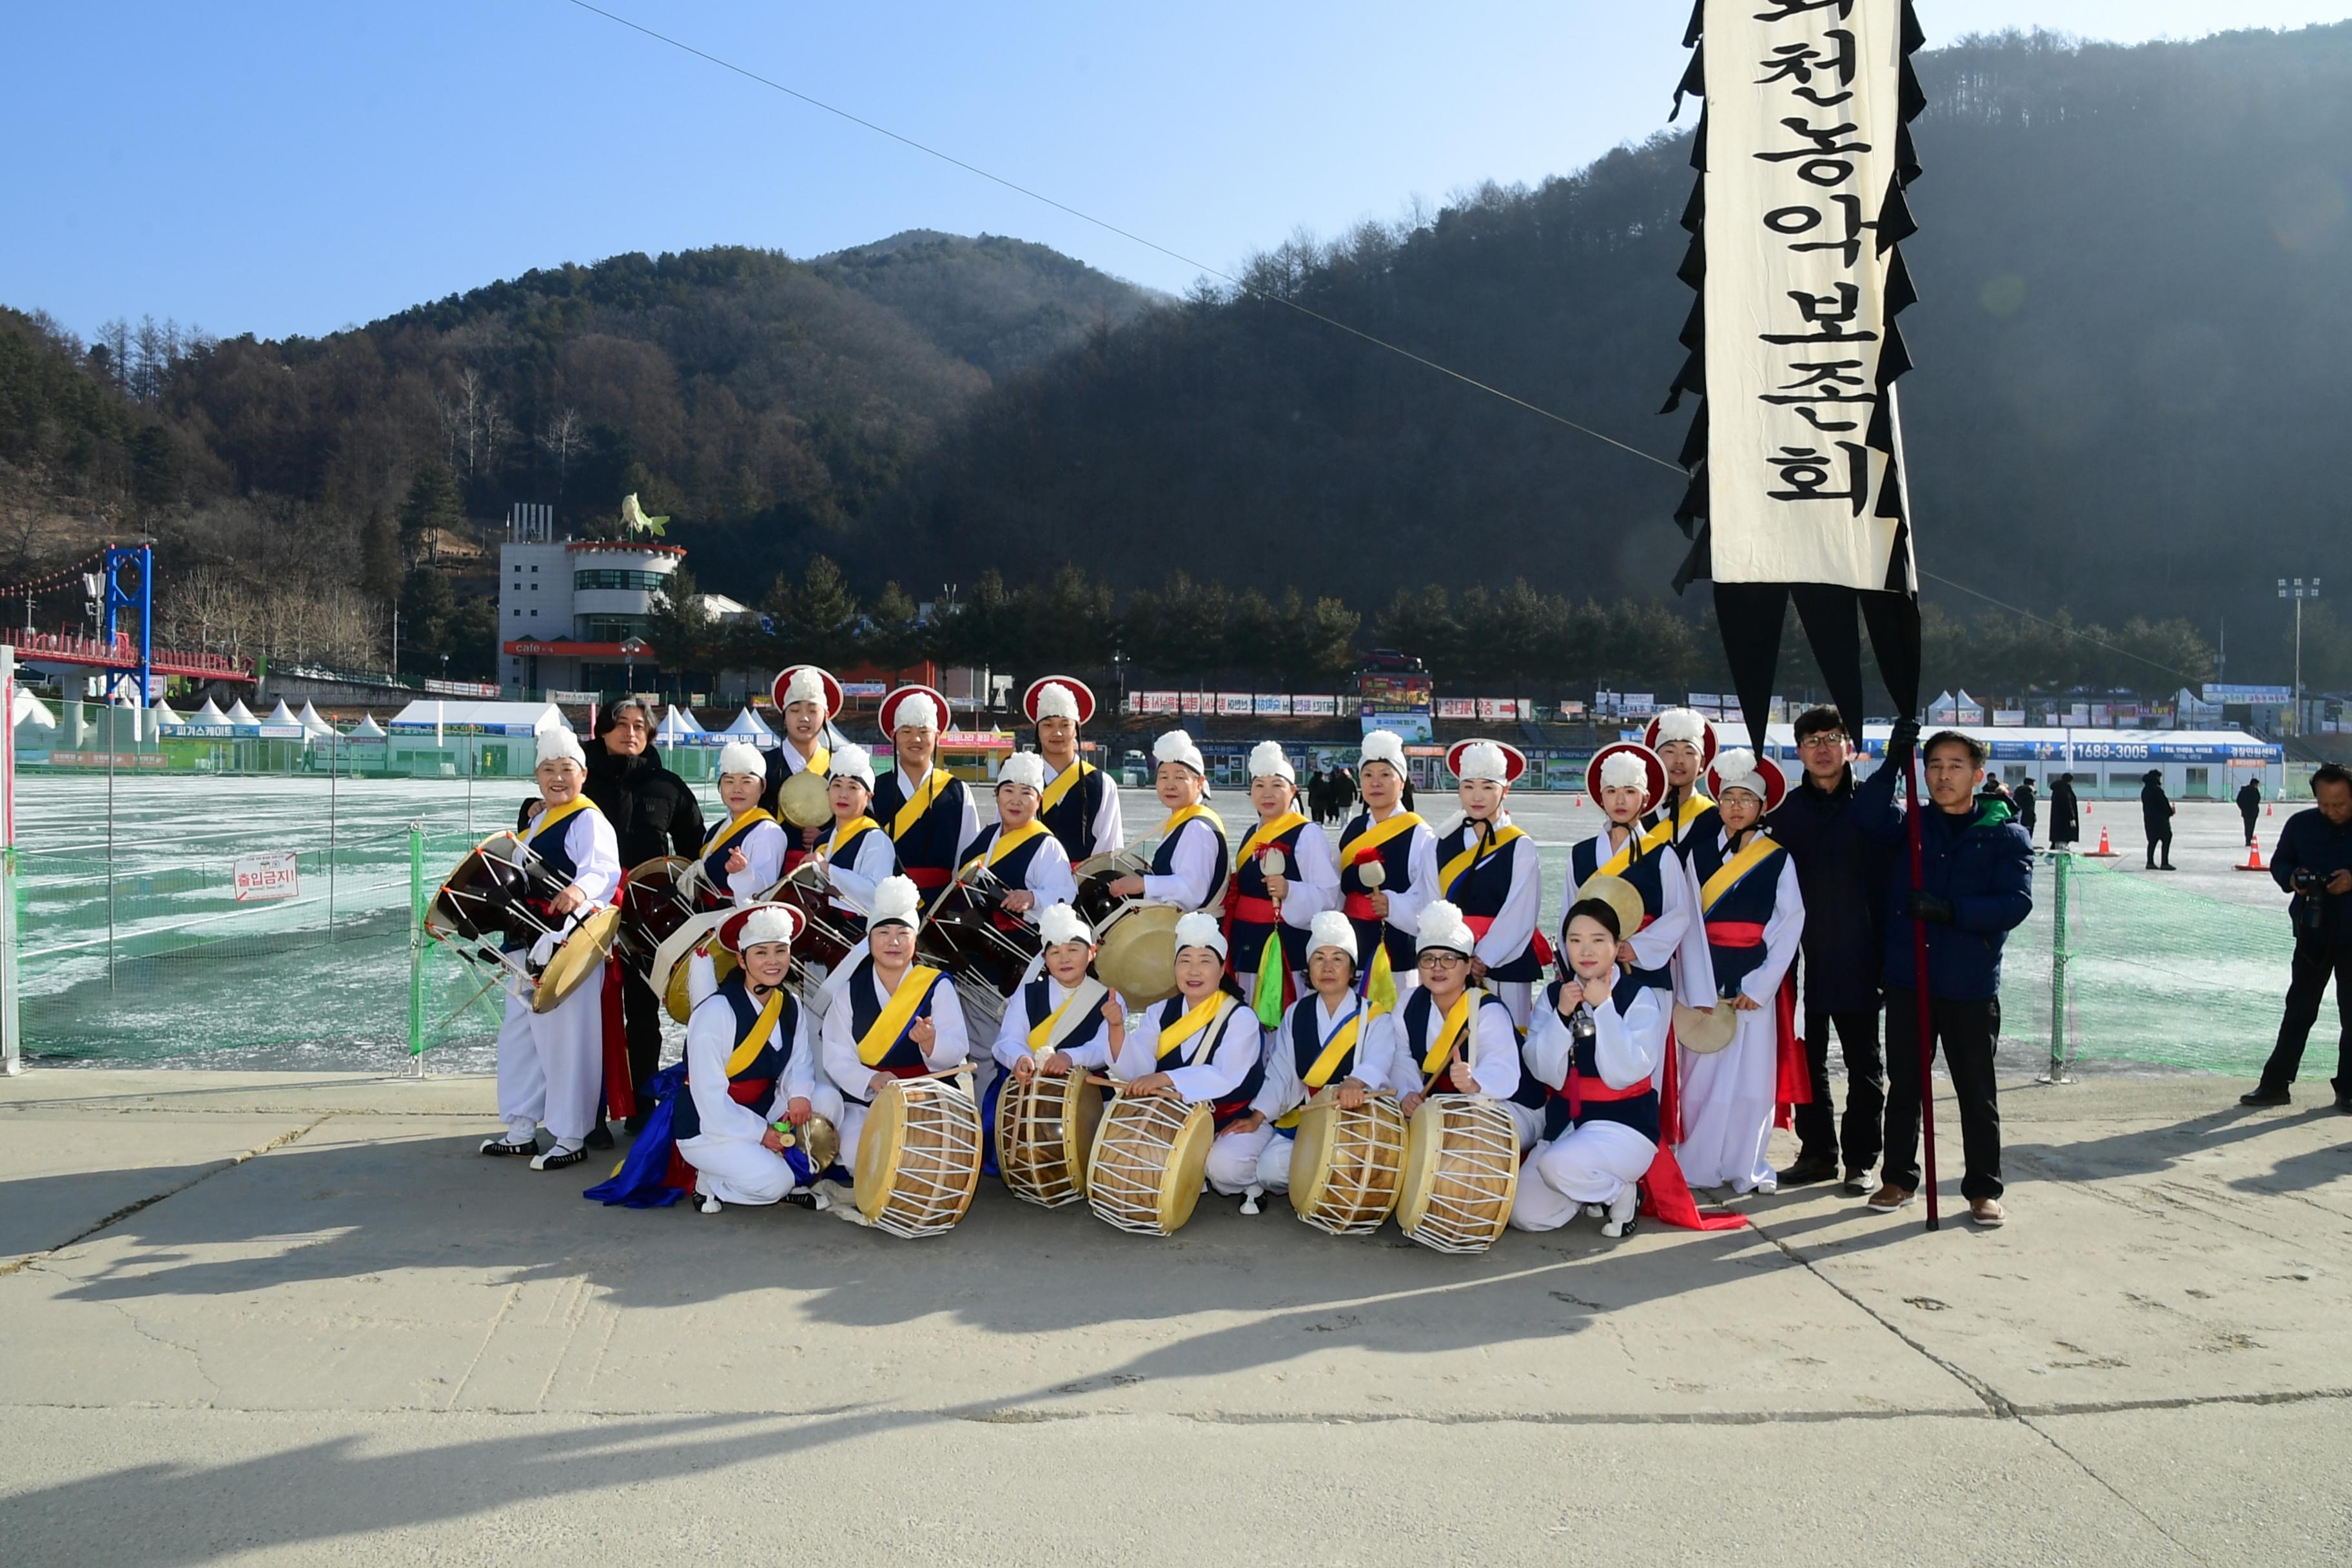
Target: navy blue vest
[1750,901]
[1307,1039]
[767,1067]
[553,848]
[1249,936]
[1639,1112]
[1013,869]
[931,845]
[1396,865]
[1418,1018]
[1705,825]
[1071,819]
[904,1059]
[714,865]
[1234,1106]
[1037,1001]
[1643,872]
[1484,888]
[1163,859]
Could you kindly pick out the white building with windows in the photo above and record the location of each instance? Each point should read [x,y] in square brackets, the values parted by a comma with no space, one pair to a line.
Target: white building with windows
[574,612]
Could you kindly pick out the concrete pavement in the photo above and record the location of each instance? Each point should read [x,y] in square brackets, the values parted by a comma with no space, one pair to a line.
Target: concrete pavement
[266,1318]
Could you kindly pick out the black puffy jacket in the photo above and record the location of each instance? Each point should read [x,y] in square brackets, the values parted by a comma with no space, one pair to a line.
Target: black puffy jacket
[652,810]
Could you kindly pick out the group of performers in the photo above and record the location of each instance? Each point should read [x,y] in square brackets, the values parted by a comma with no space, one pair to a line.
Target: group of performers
[1406,959]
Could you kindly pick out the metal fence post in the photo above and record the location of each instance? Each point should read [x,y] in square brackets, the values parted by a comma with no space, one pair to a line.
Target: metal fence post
[2059,862]
[416,948]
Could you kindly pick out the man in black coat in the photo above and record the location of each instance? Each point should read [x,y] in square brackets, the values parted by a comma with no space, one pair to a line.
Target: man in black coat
[2313,862]
[2156,818]
[2065,815]
[652,813]
[2250,805]
[1843,873]
[2026,800]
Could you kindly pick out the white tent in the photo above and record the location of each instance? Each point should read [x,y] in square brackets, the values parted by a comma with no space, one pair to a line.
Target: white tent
[31,710]
[678,725]
[310,720]
[165,714]
[481,718]
[367,729]
[748,726]
[210,713]
[239,713]
[281,714]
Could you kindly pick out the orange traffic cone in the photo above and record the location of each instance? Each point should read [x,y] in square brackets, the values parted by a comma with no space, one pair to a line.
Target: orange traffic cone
[2104,852]
[2270,811]
[2254,859]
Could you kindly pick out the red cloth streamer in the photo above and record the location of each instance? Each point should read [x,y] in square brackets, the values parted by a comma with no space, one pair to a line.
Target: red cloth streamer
[620,1093]
[1666,1197]
[1796,1076]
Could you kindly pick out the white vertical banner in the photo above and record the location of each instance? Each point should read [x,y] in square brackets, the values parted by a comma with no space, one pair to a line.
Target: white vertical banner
[1803,113]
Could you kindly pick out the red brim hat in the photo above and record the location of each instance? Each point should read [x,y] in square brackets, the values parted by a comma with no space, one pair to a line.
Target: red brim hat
[1077,689]
[889,715]
[731,930]
[824,677]
[1768,772]
[1656,769]
[1707,740]
[1515,762]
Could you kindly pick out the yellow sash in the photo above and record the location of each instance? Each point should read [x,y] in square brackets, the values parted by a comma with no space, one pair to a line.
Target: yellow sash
[892,1021]
[1378,833]
[1461,863]
[1728,874]
[720,835]
[553,815]
[1207,1013]
[1267,833]
[1615,865]
[1342,1040]
[925,793]
[1041,1035]
[1006,843]
[748,1048]
[1684,815]
[818,761]
[1063,781]
[1457,1018]
[843,832]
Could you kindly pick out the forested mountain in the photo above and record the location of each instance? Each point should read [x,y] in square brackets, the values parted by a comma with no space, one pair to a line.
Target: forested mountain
[2132,350]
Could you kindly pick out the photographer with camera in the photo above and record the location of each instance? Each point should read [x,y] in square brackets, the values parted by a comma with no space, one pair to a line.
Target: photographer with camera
[2313,862]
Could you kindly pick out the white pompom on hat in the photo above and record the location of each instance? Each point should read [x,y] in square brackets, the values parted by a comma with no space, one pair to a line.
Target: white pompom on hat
[1334,930]
[1026,769]
[851,762]
[557,744]
[1679,724]
[1485,759]
[1623,771]
[765,922]
[1383,746]
[1268,760]
[802,684]
[741,757]
[1055,701]
[1740,768]
[916,712]
[1059,923]
[1176,746]
[1201,929]
[1442,926]
[897,901]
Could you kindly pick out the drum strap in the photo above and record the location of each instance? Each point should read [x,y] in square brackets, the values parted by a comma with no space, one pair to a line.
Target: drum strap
[1194,1022]
[726,834]
[564,813]
[919,803]
[1006,843]
[1335,1050]
[1063,781]
[890,1025]
[843,832]
[1043,1040]
[1472,857]
[1760,849]
[747,1049]
[1457,1018]
[1266,833]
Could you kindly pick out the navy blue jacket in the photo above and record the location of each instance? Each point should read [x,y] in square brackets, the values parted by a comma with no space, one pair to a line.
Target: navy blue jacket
[1843,872]
[2312,843]
[1983,862]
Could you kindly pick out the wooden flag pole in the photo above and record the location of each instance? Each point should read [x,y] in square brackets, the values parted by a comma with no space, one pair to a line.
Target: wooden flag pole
[1919,989]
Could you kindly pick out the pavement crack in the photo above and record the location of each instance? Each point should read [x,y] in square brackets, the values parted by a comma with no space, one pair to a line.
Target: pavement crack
[2114,1492]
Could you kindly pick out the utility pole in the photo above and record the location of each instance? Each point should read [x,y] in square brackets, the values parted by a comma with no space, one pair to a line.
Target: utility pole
[2298,592]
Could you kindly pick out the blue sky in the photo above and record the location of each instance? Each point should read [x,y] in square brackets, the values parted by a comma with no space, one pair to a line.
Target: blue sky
[295,167]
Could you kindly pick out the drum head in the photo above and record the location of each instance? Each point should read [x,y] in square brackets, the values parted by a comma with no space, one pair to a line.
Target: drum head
[877,1150]
[1423,1138]
[806,799]
[1704,1033]
[1188,1159]
[578,961]
[652,905]
[669,970]
[1310,1153]
[1082,1111]
[1137,956]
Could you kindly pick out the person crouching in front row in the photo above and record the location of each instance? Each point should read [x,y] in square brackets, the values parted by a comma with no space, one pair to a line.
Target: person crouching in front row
[751,1075]
[1598,1038]
[1327,1042]
[892,1018]
[1062,1022]
[1201,1046]
[1452,1037]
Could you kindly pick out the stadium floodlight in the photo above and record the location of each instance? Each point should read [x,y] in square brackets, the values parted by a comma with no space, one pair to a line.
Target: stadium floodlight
[2298,591]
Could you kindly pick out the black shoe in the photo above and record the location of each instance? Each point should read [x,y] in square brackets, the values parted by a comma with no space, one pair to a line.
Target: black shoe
[2265,1094]
[600,1137]
[555,1159]
[1808,1171]
[498,1147]
[2344,1102]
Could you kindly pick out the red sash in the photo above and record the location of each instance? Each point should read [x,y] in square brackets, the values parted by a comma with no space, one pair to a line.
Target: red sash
[1257,911]
[1794,1079]
[1481,924]
[1358,907]
[931,879]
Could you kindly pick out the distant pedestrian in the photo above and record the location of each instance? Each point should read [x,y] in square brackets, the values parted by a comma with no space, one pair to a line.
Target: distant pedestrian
[1343,791]
[2249,807]
[1318,797]
[2155,816]
[2027,803]
[2065,815]
[2313,862]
